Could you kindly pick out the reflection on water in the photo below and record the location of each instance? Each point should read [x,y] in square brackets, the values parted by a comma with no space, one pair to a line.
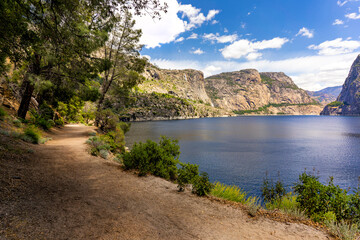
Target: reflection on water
[240,150]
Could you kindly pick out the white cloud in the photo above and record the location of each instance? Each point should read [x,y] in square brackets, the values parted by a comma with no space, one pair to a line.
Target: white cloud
[167,29]
[180,39]
[311,73]
[305,33]
[197,51]
[220,39]
[196,18]
[338,22]
[214,22]
[249,49]
[336,46]
[193,36]
[342,3]
[353,16]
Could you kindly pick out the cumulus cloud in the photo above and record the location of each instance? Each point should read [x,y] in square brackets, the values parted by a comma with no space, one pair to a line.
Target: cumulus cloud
[220,39]
[338,22]
[311,72]
[336,46]
[250,50]
[196,18]
[193,36]
[305,33]
[171,24]
[353,16]
[197,51]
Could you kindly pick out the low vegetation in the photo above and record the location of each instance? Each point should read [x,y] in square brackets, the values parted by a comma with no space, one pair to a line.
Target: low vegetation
[264,109]
[327,203]
[335,104]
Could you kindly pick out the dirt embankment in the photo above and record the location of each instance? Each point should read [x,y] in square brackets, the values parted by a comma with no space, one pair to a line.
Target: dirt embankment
[59,191]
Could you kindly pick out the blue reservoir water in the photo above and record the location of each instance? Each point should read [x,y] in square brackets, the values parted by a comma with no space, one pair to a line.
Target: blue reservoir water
[240,150]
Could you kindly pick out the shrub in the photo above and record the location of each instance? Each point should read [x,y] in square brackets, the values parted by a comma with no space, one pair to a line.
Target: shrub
[2,113]
[107,120]
[97,144]
[17,122]
[32,134]
[59,122]
[343,230]
[186,175]
[271,192]
[116,140]
[202,186]
[158,159]
[317,199]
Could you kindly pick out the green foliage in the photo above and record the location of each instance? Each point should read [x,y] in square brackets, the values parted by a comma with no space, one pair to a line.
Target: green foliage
[231,193]
[116,140]
[2,113]
[88,112]
[286,204]
[335,104]
[71,111]
[186,175]
[159,159]
[32,134]
[107,120]
[267,80]
[17,122]
[202,185]
[317,199]
[97,144]
[264,109]
[271,192]
[343,230]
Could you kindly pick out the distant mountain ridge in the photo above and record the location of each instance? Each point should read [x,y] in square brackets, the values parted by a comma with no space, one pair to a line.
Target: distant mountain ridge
[348,102]
[326,95]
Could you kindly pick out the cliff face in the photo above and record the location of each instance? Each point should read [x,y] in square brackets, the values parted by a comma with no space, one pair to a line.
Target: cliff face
[251,92]
[187,84]
[348,102]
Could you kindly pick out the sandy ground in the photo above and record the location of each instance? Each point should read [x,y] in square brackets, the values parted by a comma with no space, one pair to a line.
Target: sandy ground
[61,192]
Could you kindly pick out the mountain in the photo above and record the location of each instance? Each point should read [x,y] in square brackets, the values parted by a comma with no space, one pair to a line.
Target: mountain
[250,92]
[326,95]
[182,94]
[348,102]
[171,94]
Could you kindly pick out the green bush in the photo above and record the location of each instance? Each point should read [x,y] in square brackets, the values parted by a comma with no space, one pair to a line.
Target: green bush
[107,120]
[116,140]
[97,143]
[317,199]
[159,159]
[2,113]
[59,122]
[32,134]
[202,186]
[271,192]
[186,175]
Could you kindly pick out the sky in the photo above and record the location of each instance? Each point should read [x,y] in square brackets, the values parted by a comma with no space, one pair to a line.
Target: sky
[313,41]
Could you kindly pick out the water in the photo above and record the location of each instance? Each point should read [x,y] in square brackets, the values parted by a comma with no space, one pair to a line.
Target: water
[241,150]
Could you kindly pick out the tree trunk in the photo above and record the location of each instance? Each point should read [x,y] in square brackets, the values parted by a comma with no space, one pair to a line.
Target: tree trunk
[26,98]
[29,86]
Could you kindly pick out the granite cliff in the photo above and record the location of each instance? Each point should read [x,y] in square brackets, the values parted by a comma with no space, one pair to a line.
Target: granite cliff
[182,94]
[348,102]
[250,92]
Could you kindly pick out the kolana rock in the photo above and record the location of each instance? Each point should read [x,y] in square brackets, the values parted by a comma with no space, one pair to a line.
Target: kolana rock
[182,94]
[250,92]
[348,102]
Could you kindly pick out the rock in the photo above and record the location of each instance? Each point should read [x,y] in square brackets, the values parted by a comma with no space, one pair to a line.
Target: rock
[249,91]
[348,102]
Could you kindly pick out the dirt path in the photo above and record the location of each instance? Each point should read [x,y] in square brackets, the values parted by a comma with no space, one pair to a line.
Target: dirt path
[61,192]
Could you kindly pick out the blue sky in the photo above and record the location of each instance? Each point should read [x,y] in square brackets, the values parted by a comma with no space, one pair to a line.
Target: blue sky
[313,41]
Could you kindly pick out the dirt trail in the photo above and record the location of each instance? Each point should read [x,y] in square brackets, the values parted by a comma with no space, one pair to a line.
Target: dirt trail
[68,194]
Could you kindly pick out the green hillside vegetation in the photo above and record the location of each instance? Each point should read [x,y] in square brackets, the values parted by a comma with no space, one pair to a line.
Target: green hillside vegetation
[264,109]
